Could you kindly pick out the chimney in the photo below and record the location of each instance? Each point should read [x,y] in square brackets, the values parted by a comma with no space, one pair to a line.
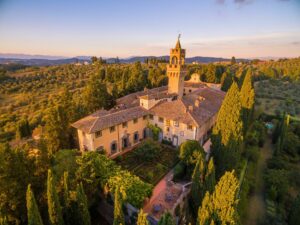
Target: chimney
[197,103]
[191,108]
[201,98]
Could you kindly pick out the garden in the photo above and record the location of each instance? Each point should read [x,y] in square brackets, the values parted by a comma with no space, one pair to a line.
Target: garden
[150,160]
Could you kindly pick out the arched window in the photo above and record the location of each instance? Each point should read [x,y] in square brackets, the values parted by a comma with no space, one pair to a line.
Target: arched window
[174,60]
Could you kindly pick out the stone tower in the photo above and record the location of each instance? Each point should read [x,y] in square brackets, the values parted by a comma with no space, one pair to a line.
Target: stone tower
[176,70]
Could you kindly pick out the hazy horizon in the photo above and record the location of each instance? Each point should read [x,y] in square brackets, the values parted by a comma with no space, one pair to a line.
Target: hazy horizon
[214,28]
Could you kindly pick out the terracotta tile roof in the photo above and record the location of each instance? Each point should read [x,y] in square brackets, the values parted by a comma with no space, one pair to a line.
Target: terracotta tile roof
[193,109]
[209,102]
[133,99]
[104,119]
[185,110]
[174,110]
[158,95]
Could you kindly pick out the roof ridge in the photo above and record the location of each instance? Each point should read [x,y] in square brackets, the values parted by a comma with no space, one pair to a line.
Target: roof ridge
[193,118]
[94,123]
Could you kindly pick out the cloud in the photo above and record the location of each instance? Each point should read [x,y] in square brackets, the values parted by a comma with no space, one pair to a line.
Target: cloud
[221,2]
[296,43]
[243,2]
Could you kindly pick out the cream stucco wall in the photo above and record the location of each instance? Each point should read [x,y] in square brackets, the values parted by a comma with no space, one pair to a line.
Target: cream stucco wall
[92,142]
[170,130]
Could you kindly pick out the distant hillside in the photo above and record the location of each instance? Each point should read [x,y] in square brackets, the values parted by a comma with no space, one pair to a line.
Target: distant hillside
[54,60]
[39,62]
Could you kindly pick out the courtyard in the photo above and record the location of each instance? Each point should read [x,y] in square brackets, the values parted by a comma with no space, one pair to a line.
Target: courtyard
[150,160]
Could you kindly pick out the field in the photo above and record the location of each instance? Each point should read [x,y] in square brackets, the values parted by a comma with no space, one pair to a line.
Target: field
[276,96]
[153,171]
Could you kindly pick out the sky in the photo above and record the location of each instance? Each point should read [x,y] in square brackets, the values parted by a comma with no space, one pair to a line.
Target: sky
[124,28]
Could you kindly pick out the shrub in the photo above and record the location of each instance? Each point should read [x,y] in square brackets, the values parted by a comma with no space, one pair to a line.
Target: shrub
[149,175]
[147,151]
[179,171]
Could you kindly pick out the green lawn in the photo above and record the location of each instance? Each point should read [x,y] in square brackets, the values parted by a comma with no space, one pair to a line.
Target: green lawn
[153,171]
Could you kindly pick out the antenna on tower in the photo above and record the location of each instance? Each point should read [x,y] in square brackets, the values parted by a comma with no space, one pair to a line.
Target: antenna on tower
[179,35]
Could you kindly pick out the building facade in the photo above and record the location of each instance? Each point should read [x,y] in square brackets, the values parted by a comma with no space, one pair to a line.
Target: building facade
[183,110]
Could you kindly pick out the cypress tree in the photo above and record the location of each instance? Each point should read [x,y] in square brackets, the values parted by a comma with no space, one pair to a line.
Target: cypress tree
[33,214]
[197,182]
[57,130]
[118,203]
[247,97]
[229,123]
[54,208]
[67,201]
[226,81]
[82,203]
[221,205]
[204,212]
[282,132]
[228,132]
[224,198]
[66,189]
[166,219]
[210,177]
[142,218]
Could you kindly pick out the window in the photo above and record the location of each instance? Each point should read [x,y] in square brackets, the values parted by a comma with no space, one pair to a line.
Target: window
[151,117]
[136,137]
[145,117]
[161,120]
[176,124]
[98,133]
[135,120]
[112,129]
[83,134]
[124,124]
[190,90]
[168,129]
[113,147]
[190,127]
[168,122]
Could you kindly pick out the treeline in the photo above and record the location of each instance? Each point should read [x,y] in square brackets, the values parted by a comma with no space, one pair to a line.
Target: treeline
[288,69]
[44,188]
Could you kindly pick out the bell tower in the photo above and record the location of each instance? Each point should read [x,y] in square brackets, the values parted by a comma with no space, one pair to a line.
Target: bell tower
[176,70]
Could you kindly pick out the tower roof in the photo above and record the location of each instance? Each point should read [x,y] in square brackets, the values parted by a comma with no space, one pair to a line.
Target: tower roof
[178,45]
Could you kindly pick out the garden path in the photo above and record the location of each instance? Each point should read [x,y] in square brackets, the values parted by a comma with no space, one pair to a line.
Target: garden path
[256,207]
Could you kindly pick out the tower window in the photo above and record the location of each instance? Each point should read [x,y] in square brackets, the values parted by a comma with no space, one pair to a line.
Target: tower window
[174,60]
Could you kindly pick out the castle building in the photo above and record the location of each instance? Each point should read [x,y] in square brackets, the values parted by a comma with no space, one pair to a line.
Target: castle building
[183,110]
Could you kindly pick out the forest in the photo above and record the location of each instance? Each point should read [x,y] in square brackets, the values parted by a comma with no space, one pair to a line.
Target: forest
[47,181]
